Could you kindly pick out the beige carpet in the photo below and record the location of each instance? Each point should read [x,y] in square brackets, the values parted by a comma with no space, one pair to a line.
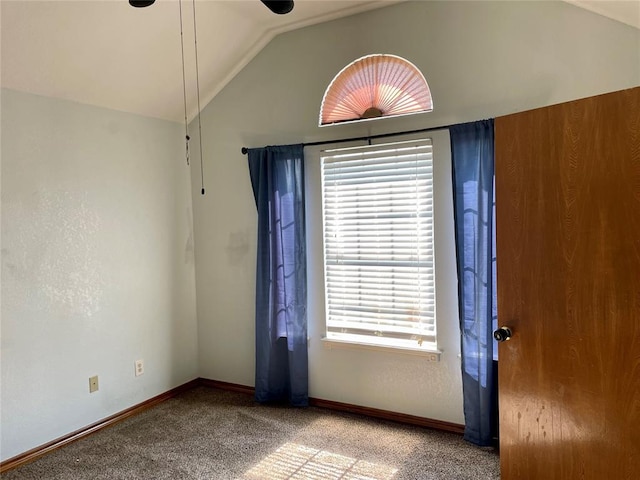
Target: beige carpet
[211,434]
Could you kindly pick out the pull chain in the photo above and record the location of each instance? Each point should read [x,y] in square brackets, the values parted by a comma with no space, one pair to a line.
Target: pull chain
[195,41]
[184,90]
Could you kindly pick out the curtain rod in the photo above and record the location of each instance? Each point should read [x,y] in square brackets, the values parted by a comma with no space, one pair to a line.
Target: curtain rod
[245,150]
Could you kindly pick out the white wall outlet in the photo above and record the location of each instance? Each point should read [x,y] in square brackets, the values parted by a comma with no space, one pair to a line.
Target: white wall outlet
[93,384]
[139,367]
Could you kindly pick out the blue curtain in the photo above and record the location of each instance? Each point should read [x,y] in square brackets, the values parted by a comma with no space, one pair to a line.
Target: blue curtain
[277,178]
[472,152]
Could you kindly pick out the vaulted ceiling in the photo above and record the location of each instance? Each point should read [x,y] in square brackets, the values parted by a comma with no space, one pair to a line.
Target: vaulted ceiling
[106,53]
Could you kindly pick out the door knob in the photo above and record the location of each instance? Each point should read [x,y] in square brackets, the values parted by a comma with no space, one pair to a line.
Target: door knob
[502,334]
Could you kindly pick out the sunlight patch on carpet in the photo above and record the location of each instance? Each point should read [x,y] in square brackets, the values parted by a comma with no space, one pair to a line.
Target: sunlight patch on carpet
[298,462]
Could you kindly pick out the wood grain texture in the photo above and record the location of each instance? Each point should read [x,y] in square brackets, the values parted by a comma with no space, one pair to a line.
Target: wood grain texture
[568,250]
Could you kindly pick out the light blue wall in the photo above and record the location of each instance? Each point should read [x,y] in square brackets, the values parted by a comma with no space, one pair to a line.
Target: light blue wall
[97,265]
[481,59]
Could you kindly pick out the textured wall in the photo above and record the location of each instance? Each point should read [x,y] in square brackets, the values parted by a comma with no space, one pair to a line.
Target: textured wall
[481,59]
[97,265]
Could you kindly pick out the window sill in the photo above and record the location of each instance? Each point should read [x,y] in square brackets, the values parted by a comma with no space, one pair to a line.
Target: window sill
[331,343]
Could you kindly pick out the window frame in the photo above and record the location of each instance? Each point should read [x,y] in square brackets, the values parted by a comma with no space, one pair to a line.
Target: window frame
[447,320]
[387,183]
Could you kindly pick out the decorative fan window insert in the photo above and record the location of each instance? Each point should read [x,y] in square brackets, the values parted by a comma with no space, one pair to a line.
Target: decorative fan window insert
[375,86]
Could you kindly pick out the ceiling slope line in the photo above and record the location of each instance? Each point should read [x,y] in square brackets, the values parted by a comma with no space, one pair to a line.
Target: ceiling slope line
[626,12]
[270,33]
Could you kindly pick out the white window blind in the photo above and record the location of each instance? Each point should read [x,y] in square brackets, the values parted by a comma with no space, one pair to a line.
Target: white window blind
[378,244]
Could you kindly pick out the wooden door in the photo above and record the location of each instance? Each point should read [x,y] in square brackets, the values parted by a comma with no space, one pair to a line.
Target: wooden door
[568,254]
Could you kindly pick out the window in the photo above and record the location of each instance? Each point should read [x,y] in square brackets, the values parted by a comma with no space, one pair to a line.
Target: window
[379,244]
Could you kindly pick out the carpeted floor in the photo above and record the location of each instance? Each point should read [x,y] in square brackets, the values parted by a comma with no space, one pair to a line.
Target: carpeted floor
[212,434]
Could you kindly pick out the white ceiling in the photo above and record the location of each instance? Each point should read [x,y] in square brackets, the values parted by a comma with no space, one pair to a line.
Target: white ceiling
[106,53]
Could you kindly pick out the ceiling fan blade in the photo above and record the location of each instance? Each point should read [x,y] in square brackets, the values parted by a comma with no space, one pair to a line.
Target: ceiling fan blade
[141,3]
[276,6]
[279,6]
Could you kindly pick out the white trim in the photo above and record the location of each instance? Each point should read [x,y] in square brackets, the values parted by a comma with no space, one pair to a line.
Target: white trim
[330,344]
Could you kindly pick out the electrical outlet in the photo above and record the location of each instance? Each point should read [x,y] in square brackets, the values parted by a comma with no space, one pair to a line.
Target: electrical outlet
[139,367]
[93,384]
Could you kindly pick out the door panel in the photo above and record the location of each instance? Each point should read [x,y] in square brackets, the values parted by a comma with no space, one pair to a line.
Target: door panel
[568,250]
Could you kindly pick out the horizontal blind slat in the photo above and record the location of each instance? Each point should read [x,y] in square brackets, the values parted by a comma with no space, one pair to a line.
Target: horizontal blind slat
[378,241]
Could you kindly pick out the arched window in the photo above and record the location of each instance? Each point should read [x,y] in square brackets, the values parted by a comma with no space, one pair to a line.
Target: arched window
[375,86]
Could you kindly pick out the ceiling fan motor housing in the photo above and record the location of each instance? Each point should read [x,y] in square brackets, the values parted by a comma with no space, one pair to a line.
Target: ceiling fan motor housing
[279,6]
[141,3]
